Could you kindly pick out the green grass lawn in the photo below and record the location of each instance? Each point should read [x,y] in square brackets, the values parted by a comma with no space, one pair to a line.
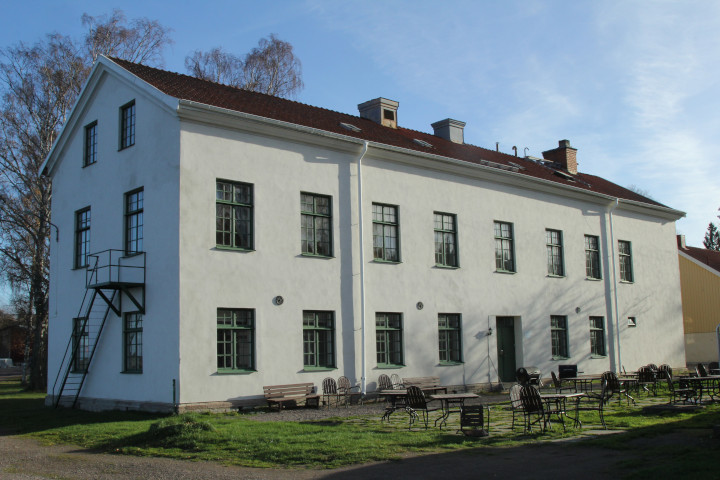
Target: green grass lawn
[236,439]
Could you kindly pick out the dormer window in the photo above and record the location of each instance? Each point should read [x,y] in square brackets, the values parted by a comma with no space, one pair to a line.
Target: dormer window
[422,143]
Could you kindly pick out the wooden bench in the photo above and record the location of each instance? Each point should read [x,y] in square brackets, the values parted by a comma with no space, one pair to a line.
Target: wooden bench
[428,385]
[290,394]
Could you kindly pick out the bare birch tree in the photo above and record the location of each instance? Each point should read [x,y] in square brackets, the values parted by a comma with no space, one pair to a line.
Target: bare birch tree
[39,85]
[270,68]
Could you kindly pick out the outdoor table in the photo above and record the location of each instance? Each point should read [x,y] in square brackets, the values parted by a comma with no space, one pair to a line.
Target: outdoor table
[450,400]
[393,396]
[709,385]
[560,402]
[583,383]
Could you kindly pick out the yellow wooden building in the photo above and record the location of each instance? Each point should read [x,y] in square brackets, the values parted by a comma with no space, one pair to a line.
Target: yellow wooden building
[700,288]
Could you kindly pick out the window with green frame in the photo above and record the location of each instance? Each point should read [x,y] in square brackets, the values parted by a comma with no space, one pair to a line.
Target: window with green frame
[82,237]
[597,336]
[235,339]
[127,125]
[81,344]
[553,239]
[134,221]
[625,258]
[132,344]
[559,336]
[318,339]
[504,247]
[90,151]
[450,337]
[316,224]
[389,339]
[592,257]
[385,233]
[445,239]
[234,215]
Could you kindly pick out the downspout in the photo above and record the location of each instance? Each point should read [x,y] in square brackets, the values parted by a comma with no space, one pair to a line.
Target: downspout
[615,285]
[362,270]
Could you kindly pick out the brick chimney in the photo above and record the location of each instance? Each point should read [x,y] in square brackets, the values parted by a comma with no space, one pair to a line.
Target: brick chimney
[681,242]
[450,129]
[564,155]
[380,110]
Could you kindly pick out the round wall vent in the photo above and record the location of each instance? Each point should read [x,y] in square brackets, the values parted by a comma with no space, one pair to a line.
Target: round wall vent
[279,300]
[420,305]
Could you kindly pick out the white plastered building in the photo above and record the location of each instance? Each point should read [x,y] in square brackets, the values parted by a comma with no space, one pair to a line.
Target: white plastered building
[226,240]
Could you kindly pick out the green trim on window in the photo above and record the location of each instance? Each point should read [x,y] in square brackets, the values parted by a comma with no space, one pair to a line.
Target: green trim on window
[234,215]
[446,239]
[318,339]
[386,233]
[504,235]
[316,225]
[316,255]
[449,364]
[235,340]
[318,369]
[239,371]
[389,366]
[389,347]
[233,249]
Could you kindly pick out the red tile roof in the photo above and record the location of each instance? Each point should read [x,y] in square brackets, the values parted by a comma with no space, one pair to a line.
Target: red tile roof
[711,258]
[209,93]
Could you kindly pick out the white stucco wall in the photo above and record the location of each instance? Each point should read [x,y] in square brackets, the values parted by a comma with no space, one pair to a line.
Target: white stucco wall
[152,163]
[280,170]
[188,278]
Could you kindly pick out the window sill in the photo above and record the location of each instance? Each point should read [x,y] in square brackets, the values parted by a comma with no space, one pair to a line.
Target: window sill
[450,364]
[628,282]
[132,254]
[447,267]
[318,369]
[386,262]
[593,279]
[506,272]
[85,165]
[312,255]
[559,358]
[120,149]
[235,372]
[598,357]
[389,367]
[132,372]
[233,249]
[549,275]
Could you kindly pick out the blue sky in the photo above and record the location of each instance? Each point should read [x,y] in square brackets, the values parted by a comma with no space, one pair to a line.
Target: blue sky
[634,85]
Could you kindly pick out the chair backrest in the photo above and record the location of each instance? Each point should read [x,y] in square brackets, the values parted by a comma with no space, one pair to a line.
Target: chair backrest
[384,383]
[646,374]
[515,401]
[416,398]
[523,377]
[395,381]
[700,369]
[713,366]
[610,380]
[531,400]
[329,386]
[343,384]
[652,366]
[668,378]
[471,416]
[556,382]
[662,369]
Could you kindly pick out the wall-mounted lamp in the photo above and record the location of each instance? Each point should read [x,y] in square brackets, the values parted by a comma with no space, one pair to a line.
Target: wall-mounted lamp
[577,309]
[489,332]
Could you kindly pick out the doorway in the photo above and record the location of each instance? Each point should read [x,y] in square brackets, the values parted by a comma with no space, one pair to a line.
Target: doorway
[505,327]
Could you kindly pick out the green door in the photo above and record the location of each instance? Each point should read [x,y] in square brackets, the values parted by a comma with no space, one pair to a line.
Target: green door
[506,348]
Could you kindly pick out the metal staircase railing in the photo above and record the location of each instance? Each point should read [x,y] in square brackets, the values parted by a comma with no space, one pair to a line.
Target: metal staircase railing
[91,318]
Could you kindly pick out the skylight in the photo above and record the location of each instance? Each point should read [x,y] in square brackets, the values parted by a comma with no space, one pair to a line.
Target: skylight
[350,126]
[422,143]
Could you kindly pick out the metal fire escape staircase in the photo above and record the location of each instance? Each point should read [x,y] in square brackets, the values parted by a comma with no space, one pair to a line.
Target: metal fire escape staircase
[111,277]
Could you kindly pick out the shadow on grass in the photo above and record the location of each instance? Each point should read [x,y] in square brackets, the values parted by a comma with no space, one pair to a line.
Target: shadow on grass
[24,412]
